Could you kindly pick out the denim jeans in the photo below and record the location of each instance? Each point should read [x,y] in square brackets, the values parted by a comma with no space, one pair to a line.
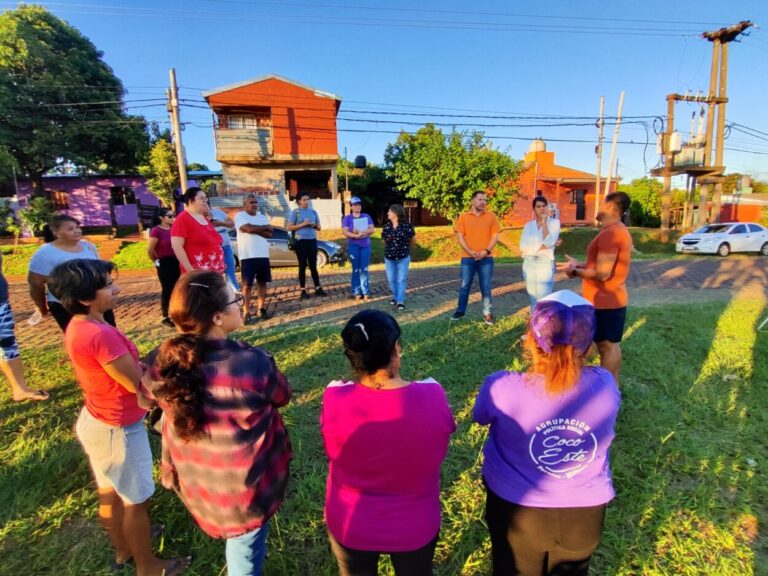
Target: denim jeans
[229,260]
[484,270]
[539,274]
[245,554]
[397,276]
[360,258]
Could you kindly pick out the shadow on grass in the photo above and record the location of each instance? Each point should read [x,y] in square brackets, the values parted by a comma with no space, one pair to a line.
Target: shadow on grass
[689,498]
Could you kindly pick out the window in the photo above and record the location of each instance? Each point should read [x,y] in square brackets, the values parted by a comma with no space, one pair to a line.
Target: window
[577,196]
[755,228]
[740,229]
[59,199]
[252,120]
[122,195]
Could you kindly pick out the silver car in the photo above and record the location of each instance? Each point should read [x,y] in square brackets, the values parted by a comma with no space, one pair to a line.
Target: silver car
[724,238]
[280,255]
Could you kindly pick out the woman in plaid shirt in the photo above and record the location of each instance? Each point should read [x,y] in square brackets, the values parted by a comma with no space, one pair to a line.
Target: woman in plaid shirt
[225,448]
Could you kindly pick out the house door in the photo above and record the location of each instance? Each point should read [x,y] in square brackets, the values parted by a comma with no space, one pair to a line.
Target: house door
[581,204]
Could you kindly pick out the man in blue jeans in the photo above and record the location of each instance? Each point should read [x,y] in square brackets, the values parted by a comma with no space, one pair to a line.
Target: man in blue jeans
[477,232]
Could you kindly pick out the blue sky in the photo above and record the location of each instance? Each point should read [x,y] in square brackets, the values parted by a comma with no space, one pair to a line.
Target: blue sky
[462,60]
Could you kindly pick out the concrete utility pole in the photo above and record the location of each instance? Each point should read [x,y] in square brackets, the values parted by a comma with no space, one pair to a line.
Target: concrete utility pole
[708,174]
[614,145]
[599,152]
[173,108]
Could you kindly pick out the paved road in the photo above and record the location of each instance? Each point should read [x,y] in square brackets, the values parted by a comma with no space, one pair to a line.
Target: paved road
[431,292]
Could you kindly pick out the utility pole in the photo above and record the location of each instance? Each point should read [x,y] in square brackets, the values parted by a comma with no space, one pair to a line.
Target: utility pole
[599,152]
[614,145]
[708,174]
[173,108]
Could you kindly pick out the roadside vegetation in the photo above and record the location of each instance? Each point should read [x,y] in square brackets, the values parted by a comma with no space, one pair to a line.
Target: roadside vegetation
[689,458]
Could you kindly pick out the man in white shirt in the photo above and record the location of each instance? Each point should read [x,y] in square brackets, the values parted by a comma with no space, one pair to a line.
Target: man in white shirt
[253,229]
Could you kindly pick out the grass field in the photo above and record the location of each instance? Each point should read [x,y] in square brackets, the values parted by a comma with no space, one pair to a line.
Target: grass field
[689,460]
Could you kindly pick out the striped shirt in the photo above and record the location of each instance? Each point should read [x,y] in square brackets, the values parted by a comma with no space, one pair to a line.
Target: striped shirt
[233,478]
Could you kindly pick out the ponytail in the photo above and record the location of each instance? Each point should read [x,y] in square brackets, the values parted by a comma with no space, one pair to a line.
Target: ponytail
[179,364]
[561,367]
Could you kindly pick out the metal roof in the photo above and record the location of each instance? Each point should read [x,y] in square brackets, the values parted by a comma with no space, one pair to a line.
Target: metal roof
[317,92]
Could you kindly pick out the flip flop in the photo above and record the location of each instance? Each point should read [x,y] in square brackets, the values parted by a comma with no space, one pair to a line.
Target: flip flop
[155,532]
[178,565]
[35,396]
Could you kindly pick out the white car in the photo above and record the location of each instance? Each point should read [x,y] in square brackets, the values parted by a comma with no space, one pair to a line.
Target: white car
[724,238]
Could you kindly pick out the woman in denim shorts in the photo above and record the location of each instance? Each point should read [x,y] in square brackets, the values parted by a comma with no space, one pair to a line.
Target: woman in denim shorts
[110,426]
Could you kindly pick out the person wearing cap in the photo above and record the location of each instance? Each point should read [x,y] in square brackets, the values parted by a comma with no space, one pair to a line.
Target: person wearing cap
[477,231]
[386,438]
[546,469]
[604,276]
[357,227]
[253,229]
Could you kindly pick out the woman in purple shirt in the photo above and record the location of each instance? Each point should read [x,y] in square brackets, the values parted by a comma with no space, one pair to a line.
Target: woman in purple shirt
[386,439]
[546,467]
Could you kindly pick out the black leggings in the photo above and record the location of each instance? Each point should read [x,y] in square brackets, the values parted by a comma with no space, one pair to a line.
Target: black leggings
[306,252]
[168,272]
[365,563]
[527,541]
[63,317]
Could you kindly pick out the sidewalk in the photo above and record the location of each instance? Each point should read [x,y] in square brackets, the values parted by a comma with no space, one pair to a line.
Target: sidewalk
[431,293]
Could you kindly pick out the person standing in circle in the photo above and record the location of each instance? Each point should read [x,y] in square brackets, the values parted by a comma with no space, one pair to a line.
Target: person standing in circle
[537,246]
[386,439]
[546,468]
[194,239]
[64,242]
[224,224]
[161,252]
[398,235]
[225,451]
[305,223]
[357,228]
[253,229]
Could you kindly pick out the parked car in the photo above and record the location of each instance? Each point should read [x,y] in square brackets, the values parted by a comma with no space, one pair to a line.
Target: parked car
[280,255]
[724,238]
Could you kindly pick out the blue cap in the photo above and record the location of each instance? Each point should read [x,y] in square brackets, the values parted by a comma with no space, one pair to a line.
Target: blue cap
[355,200]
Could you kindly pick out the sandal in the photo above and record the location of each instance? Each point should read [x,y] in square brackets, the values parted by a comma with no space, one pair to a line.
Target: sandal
[34,395]
[155,532]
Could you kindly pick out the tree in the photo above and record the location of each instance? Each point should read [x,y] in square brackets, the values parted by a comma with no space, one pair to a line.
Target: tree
[161,171]
[59,102]
[645,194]
[443,172]
[372,185]
[36,215]
[196,166]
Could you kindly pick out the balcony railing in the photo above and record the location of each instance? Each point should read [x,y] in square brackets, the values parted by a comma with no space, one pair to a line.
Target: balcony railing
[243,143]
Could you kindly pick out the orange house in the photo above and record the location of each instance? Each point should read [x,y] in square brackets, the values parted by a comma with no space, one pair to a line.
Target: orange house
[276,137]
[570,192]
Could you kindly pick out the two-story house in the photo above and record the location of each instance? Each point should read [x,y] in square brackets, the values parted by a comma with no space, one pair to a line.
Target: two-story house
[276,137]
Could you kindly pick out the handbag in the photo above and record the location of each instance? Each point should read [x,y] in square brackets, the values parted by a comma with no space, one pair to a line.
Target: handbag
[292,235]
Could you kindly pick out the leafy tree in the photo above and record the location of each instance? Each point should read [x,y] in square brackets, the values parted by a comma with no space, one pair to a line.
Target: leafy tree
[37,213]
[372,185]
[645,193]
[443,171]
[161,171]
[59,102]
[196,166]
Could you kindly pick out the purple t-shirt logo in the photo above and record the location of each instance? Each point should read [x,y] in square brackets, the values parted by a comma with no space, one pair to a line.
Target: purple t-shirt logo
[562,447]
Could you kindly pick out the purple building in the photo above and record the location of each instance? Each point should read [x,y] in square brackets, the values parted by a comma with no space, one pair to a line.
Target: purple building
[88,198]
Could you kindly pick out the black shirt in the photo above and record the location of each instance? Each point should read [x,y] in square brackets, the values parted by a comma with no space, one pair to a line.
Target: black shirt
[398,240]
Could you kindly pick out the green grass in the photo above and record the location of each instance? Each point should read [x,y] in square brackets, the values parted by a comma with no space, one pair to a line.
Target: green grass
[133,256]
[689,460]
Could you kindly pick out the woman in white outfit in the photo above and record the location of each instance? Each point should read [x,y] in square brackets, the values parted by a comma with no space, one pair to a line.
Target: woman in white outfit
[537,245]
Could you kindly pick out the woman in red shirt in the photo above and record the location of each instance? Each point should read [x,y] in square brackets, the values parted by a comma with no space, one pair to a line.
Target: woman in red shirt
[194,239]
[110,426]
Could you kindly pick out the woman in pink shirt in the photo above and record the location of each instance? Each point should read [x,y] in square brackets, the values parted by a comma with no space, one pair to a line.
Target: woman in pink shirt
[386,439]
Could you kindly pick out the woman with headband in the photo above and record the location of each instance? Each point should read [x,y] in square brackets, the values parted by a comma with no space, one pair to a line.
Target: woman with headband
[546,467]
[225,448]
[386,439]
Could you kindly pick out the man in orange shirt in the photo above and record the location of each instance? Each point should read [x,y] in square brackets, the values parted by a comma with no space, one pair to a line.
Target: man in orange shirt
[604,279]
[477,232]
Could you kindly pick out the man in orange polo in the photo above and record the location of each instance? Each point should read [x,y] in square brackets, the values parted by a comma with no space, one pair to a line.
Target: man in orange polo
[604,276]
[477,232]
